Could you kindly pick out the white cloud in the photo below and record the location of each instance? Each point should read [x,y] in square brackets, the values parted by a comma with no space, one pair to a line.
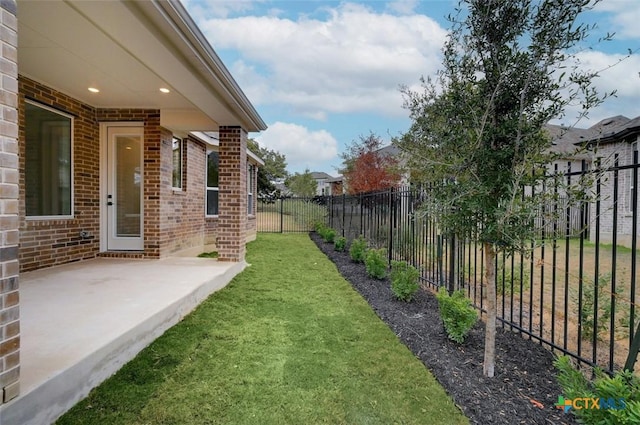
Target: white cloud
[303,148]
[625,16]
[353,61]
[404,7]
[617,73]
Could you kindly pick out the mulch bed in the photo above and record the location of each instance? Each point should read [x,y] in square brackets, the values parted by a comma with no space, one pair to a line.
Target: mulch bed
[524,389]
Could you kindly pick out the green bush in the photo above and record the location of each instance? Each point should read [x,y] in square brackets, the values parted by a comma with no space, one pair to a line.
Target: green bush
[325,232]
[358,249]
[505,275]
[340,244]
[457,313]
[587,312]
[620,393]
[329,235]
[404,280]
[319,227]
[376,263]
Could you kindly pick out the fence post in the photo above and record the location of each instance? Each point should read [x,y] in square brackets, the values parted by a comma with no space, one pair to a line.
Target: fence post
[281,215]
[344,207]
[440,265]
[361,232]
[391,223]
[452,263]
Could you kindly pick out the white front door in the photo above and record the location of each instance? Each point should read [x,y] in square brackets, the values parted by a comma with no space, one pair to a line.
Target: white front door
[124,206]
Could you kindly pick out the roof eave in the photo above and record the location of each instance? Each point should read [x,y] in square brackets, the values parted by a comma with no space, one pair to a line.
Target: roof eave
[177,17]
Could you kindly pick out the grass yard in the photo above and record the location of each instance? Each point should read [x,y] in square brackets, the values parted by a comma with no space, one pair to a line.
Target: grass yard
[287,342]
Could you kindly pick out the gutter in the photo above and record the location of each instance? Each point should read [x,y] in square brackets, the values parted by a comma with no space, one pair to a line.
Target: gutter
[177,16]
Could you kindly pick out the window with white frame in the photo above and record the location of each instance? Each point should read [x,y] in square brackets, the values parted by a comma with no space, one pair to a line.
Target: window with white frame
[176,181]
[48,162]
[251,187]
[213,174]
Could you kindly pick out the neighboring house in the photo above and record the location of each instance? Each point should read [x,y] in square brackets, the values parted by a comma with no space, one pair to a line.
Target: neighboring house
[322,179]
[609,144]
[336,186]
[567,143]
[613,143]
[122,135]
[401,164]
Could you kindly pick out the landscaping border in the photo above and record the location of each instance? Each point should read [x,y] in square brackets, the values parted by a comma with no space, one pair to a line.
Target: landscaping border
[524,389]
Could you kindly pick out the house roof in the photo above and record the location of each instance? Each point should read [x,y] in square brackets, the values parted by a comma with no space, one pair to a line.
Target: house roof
[566,140]
[614,129]
[129,50]
[390,150]
[319,175]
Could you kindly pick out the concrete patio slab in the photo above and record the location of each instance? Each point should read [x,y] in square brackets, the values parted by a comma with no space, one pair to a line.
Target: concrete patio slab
[82,321]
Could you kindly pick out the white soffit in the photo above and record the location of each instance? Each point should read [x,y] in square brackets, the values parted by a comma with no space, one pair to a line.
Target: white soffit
[128,51]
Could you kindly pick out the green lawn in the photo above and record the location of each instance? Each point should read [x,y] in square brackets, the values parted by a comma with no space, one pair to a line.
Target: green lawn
[287,342]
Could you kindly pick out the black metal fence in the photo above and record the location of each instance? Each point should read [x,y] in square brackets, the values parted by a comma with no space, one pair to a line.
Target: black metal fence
[290,214]
[574,292]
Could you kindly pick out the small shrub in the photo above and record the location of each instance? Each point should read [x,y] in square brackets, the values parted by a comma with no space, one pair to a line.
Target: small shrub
[358,249]
[319,227]
[325,232]
[587,312]
[376,263]
[404,280]
[505,275]
[457,313]
[340,244]
[329,235]
[620,394]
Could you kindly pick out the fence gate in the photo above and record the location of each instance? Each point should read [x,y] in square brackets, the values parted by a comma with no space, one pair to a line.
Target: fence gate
[290,214]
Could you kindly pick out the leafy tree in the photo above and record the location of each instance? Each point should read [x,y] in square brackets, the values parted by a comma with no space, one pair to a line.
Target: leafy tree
[477,133]
[366,169]
[302,184]
[275,167]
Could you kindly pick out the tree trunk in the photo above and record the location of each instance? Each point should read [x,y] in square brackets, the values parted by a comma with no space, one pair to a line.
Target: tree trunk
[490,333]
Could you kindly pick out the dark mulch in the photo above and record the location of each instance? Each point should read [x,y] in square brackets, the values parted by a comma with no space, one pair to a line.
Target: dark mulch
[524,389]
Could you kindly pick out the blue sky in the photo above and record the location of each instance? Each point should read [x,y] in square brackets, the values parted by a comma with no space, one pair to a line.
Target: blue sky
[322,73]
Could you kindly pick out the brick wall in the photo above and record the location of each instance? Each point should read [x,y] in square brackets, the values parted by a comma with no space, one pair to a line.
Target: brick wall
[152,162]
[46,243]
[182,211]
[607,154]
[9,222]
[173,220]
[232,220]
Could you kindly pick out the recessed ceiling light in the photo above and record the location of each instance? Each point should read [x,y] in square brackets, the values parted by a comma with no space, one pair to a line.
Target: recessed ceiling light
[164,90]
[94,90]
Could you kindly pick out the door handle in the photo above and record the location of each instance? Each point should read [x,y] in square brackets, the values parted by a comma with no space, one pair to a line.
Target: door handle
[109,197]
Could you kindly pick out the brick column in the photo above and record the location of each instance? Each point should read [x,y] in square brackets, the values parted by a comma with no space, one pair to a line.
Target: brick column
[9,309]
[232,201]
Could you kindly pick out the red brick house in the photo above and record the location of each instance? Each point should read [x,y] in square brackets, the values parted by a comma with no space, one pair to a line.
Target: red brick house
[122,134]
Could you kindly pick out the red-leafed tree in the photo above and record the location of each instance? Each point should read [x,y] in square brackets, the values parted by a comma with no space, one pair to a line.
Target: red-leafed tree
[367,167]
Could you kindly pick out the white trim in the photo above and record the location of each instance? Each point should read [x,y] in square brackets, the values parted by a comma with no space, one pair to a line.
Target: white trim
[212,188]
[181,142]
[255,158]
[71,214]
[104,168]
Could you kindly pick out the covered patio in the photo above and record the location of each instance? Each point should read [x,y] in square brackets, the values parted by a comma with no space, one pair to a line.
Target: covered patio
[82,321]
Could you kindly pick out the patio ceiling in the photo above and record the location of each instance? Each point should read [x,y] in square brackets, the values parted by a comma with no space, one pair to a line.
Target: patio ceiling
[129,50]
